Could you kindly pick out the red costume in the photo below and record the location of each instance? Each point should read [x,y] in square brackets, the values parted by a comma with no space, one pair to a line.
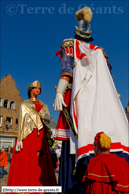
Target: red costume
[27,169]
[106,173]
[62,129]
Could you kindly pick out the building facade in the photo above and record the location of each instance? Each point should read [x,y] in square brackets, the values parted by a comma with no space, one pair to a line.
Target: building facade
[53,127]
[10,101]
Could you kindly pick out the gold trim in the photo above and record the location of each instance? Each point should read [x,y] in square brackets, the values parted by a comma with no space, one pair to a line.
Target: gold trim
[55,88]
[127,108]
[99,175]
[67,42]
[35,84]
[105,177]
[33,99]
[30,119]
[74,64]
[105,54]
[122,185]
[70,86]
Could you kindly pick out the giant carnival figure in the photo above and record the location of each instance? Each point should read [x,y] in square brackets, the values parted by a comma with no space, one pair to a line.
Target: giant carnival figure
[31,163]
[87,90]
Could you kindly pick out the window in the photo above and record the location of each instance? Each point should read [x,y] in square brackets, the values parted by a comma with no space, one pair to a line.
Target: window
[16,124]
[8,123]
[12,105]
[6,103]
[5,142]
[1,101]
[0,121]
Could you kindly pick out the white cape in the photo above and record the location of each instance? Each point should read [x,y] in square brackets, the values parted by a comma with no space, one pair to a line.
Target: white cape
[95,105]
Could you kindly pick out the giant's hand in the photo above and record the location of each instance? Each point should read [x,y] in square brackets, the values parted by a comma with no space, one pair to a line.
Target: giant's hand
[59,101]
[19,145]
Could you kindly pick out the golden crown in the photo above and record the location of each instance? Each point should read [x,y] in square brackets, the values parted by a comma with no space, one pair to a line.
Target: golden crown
[35,84]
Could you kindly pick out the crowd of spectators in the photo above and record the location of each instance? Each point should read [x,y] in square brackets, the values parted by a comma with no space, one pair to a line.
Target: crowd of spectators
[5,157]
[55,154]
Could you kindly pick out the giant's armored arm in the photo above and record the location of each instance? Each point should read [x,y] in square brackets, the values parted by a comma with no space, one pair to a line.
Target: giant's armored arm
[66,72]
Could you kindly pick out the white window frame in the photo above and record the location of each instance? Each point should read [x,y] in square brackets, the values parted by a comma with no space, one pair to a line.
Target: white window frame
[6,141]
[1,102]
[8,103]
[10,122]
[16,127]
[12,101]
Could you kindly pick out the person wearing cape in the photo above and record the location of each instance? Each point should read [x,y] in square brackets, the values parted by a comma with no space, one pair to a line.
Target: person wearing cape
[106,173]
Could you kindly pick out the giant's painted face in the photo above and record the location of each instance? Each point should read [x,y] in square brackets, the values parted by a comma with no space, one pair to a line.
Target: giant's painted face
[35,92]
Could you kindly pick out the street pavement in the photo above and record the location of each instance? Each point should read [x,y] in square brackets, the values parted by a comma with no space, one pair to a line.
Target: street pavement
[4,180]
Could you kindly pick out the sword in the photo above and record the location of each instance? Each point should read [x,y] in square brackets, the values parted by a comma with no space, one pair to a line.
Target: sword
[69,120]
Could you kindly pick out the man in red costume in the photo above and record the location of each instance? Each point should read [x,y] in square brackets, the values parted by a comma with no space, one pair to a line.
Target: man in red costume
[106,173]
[31,163]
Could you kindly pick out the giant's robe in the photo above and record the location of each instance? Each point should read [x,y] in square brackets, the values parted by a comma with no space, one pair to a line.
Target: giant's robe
[26,168]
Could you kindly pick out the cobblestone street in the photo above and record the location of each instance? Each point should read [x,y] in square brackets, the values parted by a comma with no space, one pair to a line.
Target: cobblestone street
[3,181]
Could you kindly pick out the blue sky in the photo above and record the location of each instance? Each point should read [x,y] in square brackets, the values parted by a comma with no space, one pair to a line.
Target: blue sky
[32,32]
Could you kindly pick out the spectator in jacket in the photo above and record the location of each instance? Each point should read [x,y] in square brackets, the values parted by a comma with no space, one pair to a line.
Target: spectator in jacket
[3,161]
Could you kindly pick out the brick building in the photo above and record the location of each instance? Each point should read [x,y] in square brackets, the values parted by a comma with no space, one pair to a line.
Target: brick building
[10,101]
